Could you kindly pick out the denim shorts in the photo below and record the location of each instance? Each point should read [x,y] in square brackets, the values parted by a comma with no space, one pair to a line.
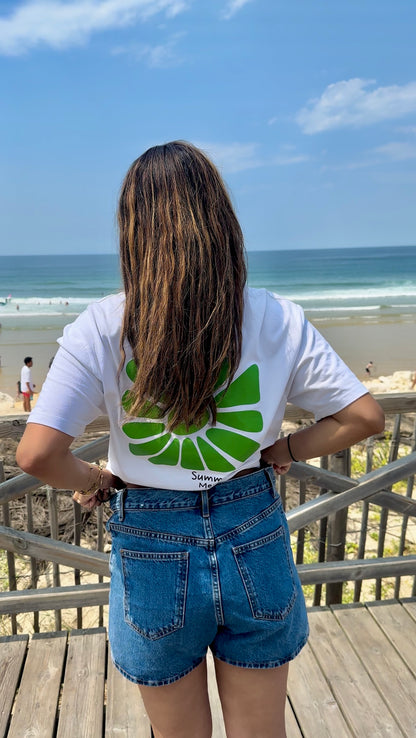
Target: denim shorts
[198,570]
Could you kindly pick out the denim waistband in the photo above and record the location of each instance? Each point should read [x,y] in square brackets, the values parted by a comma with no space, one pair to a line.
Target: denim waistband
[224,492]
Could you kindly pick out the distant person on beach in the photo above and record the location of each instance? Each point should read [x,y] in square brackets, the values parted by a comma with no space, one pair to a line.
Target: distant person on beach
[26,385]
[369,368]
[412,386]
[194,370]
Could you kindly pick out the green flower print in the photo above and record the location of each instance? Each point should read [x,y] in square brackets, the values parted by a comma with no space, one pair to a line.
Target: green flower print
[201,446]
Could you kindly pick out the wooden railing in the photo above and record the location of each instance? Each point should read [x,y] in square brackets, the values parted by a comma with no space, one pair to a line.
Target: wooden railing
[349,528]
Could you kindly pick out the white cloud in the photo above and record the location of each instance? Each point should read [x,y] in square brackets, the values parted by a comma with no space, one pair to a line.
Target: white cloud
[351,104]
[159,56]
[394,151]
[233,157]
[63,24]
[232,7]
[411,130]
[397,150]
[286,160]
[238,157]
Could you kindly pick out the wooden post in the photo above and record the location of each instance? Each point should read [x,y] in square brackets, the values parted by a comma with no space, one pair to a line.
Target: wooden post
[364,516]
[384,514]
[323,526]
[300,544]
[100,547]
[337,527]
[409,493]
[53,516]
[77,542]
[11,567]
[33,562]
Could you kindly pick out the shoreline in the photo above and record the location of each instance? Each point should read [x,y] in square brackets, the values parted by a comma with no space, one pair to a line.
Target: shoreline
[387,343]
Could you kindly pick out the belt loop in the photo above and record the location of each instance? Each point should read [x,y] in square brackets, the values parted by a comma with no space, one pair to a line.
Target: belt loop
[272,479]
[122,495]
[205,503]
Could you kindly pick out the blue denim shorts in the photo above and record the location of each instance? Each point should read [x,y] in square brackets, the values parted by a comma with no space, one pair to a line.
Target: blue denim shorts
[198,570]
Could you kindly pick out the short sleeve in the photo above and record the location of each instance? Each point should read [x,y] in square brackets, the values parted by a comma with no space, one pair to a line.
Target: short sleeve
[321,382]
[72,395]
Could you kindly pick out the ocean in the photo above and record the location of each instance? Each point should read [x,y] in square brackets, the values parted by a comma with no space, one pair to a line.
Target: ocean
[338,288]
[365,283]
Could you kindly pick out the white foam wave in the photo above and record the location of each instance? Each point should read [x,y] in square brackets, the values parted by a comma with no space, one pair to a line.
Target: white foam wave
[74,300]
[346,309]
[381,294]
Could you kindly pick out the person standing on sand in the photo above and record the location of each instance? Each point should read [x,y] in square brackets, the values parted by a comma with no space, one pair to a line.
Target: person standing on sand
[26,385]
[194,370]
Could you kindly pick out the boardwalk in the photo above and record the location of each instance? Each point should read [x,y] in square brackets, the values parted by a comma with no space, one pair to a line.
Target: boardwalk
[356,677]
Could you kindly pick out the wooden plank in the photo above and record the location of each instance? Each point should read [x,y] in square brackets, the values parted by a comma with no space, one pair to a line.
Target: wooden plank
[11,563]
[363,708]
[53,521]
[125,714]
[399,626]
[388,672]
[12,654]
[314,704]
[48,598]
[218,730]
[30,544]
[81,714]
[368,486]
[292,727]
[353,569]
[22,483]
[37,700]
[392,403]
[337,527]
[13,426]
[340,483]
[410,607]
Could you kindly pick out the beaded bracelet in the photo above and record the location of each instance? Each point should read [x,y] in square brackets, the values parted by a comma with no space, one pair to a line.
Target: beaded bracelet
[95,484]
[289,449]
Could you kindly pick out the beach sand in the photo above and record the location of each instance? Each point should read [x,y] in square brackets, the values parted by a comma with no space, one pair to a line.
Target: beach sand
[390,345]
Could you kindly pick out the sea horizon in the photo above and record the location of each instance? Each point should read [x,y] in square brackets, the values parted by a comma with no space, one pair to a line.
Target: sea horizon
[363,300]
[359,283]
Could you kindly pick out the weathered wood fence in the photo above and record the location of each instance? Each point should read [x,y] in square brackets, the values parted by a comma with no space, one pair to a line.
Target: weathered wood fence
[348,527]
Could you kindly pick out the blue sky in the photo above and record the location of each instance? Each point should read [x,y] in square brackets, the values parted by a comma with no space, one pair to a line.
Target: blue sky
[308,107]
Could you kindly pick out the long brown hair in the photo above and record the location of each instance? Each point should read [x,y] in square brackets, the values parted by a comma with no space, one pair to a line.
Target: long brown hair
[183,268]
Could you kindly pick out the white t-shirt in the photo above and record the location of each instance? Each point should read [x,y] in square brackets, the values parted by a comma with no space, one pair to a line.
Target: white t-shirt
[284,359]
[26,377]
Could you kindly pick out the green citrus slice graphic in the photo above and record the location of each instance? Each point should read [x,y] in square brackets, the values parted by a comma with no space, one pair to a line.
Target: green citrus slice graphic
[193,447]
[170,456]
[131,370]
[190,458]
[151,447]
[239,447]
[213,460]
[244,420]
[148,410]
[245,390]
[183,430]
[143,430]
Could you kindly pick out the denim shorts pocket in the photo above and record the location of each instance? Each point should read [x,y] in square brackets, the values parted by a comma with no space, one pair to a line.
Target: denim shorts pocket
[266,569]
[155,586]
